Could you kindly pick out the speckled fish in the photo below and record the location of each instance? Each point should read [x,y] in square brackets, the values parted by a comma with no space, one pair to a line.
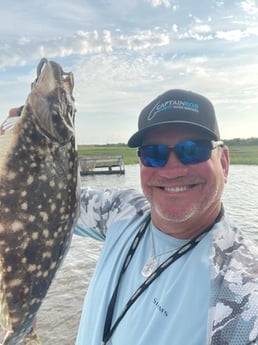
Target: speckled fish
[38,199]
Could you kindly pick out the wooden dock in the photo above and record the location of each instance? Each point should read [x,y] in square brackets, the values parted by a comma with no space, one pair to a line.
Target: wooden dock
[96,165]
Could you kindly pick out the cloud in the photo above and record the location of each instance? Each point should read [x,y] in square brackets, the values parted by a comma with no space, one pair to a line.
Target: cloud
[166,3]
[81,43]
[124,53]
[250,7]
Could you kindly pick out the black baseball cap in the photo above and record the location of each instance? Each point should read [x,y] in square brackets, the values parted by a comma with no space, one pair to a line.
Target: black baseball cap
[177,107]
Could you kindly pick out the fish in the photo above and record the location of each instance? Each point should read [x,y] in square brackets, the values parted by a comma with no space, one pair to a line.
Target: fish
[39,199]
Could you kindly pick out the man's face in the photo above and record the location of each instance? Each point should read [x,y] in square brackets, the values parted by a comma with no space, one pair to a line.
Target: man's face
[184,198]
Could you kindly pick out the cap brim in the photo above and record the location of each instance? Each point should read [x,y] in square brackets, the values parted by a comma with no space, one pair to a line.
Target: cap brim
[137,138]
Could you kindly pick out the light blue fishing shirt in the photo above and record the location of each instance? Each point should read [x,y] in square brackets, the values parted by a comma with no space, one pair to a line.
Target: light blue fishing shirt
[179,307]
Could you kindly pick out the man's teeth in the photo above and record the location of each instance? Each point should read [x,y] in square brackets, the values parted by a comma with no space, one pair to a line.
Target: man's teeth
[176,189]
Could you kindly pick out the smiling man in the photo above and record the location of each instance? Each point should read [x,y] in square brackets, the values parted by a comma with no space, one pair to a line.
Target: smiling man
[174,269]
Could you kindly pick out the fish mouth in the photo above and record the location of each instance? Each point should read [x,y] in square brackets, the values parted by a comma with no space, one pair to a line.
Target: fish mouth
[51,95]
[51,75]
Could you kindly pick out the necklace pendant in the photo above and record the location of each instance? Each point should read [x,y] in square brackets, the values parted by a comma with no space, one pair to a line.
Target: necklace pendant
[149,267]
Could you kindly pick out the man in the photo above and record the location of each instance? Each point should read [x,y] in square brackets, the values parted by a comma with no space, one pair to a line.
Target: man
[173,269]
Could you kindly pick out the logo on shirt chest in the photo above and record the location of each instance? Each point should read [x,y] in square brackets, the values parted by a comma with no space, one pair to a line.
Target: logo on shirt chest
[159,307]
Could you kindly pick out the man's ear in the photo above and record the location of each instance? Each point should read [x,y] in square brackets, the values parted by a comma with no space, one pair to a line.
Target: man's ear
[225,161]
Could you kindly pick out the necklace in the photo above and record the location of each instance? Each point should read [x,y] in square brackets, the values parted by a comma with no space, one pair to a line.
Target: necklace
[151,264]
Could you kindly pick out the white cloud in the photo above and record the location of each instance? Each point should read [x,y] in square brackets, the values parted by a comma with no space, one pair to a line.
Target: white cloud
[83,43]
[157,3]
[124,53]
[250,7]
[237,35]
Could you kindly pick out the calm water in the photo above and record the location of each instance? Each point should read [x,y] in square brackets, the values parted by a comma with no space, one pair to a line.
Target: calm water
[60,313]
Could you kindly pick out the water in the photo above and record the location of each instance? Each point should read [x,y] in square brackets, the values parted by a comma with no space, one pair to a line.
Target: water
[241,197]
[59,315]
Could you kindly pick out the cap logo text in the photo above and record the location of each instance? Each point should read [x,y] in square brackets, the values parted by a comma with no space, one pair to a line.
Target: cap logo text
[173,104]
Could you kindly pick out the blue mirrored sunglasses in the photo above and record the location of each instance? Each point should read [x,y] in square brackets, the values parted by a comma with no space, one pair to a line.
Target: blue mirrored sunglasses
[188,152]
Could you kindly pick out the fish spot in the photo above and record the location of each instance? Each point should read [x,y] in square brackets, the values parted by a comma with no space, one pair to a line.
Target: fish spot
[32,268]
[31,218]
[52,207]
[16,226]
[14,283]
[26,290]
[45,274]
[24,206]
[49,243]
[43,177]
[44,216]
[11,175]
[35,235]
[47,255]
[45,233]
[60,185]
[30,180]
[65,217]
[53,265]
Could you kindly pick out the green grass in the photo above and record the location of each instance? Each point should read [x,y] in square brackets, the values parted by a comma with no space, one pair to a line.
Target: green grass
[239,154]
[246,154]
[129,154]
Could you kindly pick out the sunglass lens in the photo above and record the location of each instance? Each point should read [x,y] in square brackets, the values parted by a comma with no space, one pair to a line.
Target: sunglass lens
[188,152]
[193,152]
[155,156]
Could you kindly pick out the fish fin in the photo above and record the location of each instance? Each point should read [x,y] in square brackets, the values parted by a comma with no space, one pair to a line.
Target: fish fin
[7,141]
[4,310]
[32,339]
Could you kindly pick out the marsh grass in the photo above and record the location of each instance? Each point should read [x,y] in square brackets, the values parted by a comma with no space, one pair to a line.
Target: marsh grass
[239,154]
[247,154]
[129,154]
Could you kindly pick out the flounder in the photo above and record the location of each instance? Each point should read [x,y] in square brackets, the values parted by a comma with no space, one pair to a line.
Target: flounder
[38,199]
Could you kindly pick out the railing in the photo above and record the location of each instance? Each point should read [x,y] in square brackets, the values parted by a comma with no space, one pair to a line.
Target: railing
[101,164]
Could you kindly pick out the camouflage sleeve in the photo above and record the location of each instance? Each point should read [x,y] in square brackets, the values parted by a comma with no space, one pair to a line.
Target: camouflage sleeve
[234,298]
[101,208]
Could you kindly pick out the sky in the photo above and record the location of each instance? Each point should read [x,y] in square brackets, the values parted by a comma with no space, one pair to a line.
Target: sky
[125,53]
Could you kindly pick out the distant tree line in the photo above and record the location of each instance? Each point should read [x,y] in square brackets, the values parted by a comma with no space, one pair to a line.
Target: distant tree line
[229,142]
[242,142]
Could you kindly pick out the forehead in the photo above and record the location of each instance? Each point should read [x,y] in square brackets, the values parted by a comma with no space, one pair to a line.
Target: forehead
[174,133]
